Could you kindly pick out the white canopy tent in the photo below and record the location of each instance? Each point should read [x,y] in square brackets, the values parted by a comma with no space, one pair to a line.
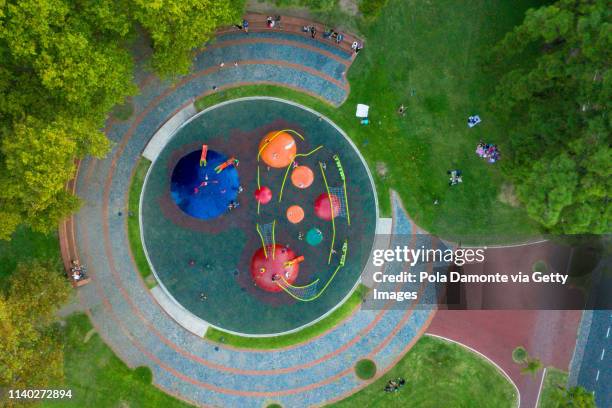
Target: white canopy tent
[362,110]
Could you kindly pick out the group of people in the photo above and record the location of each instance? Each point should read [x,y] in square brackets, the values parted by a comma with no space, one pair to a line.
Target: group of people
[271,22]
[333,35]
[244,26]
[488,151]
[395,385]
[310,29]
[473,120]
[78,271]
[455,177]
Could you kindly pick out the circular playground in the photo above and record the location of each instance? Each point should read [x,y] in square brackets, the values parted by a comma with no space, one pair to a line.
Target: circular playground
[258,216]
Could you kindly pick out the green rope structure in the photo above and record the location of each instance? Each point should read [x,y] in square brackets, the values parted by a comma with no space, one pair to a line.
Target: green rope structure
[342,176]
[331,206]
[263,240]
[274,137]
[280,194]
[288,288]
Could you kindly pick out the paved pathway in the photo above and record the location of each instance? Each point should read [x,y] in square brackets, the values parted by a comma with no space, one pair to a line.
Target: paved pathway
[130,320]
[549,335]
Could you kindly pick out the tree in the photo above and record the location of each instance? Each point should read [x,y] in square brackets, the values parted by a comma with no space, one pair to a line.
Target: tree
[554,99]
[62,71]
[65,64]
[178,26]
[519,355]
[532,366]
[31,353]
[575,397]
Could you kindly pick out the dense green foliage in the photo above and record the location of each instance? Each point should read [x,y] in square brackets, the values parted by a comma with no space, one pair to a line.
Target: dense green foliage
[178,26]
[438,374]
[65,64]
[98,378]
[31,350]
[555,102]
[556,394]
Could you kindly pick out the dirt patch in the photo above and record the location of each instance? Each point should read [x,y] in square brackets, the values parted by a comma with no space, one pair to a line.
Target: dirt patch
[349,6]
[507,195]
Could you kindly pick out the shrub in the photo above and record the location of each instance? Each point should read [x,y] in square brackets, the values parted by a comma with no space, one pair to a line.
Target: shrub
[371,8]
[365,369]
[519,355]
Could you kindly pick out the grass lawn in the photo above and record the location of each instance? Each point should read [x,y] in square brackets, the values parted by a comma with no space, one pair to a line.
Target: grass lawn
[133,220]
[27,245]
[99,379]
[438,374]
[429,57]
[329,322]
[552,381]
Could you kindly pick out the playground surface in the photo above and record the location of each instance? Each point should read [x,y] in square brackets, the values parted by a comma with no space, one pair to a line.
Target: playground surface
[205,264]
[130,319]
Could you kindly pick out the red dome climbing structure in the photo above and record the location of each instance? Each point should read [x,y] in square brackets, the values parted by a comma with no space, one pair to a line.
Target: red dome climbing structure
[265,271]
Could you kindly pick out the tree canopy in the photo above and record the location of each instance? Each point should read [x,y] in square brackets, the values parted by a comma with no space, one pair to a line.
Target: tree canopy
[64,65]
[31,352]
[554,97]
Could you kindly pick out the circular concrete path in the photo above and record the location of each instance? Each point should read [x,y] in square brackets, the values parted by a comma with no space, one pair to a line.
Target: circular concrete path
[130,320]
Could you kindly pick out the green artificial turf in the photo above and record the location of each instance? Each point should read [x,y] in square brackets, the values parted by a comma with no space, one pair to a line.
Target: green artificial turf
[133,219]
[431,57]
[555,382]
[99,379]
[335,318]
[438,374]
[24,246]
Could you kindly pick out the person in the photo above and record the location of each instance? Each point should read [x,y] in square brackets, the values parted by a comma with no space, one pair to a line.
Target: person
[354,45]
[313,32]
[270,22]
[401,110]
[455,177]
[245,26]
[339,38]
[76,274]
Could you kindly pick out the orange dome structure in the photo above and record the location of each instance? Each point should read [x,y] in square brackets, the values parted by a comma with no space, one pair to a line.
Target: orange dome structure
[302,177]
[295,214]
[277,149]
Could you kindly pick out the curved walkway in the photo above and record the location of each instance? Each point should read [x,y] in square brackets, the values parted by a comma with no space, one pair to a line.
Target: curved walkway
[126,314]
